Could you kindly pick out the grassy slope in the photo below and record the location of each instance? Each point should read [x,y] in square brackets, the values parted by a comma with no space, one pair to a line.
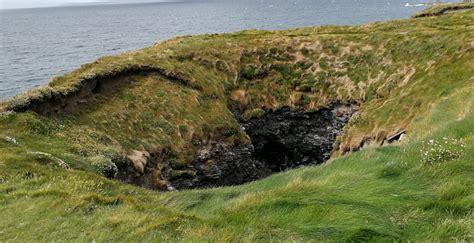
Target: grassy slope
[441,9]
[386,193]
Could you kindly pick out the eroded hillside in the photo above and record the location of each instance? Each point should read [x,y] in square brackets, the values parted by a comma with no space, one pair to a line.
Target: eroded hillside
[217,110]
[152,116]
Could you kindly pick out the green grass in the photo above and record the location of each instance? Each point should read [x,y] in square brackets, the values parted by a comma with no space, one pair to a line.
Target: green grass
[415,74]
[382,193]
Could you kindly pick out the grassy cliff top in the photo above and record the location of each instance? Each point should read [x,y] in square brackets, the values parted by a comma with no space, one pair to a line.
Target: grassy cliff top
[414,75]
[440,9]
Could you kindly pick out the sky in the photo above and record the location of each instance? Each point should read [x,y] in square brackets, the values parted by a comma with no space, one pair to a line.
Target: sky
[9,4]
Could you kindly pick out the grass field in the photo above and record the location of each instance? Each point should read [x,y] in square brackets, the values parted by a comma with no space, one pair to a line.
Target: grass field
[415,75]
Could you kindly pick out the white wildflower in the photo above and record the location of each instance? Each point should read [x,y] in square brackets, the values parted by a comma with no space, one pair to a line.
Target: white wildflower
[434,152]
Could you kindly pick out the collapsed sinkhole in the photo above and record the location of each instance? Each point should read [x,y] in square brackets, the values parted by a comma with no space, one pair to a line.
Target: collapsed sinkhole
[286,139]
[280,140]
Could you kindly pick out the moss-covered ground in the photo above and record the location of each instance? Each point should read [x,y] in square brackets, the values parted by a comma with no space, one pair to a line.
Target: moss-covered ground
[415,75]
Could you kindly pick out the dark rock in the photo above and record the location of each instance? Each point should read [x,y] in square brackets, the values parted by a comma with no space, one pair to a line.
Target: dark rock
[396,137]
[223,164]
[286,139]
[281,140]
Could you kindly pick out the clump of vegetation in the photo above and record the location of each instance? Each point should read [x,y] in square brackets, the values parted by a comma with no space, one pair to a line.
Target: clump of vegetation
[254,113]
[435,152]
[304,65]
[252,71]
[104,166]
[305,51]
[222,66]
[185,57]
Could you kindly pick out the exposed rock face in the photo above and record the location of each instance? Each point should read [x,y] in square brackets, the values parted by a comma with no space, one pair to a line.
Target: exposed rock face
[139,160]
[280,140]
[286,139]
[146,169]
[222,164]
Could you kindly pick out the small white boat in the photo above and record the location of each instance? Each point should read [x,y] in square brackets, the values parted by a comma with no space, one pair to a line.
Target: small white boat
[414,5]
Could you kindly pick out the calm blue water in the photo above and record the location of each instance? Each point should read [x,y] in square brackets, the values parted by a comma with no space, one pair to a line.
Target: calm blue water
[37,44]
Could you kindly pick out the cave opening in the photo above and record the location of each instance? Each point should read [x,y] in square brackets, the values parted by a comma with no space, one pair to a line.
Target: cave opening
[284,139]
[279,140]
[275,155]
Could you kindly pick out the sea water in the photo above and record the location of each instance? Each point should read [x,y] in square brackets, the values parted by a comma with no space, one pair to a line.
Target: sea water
[37,44]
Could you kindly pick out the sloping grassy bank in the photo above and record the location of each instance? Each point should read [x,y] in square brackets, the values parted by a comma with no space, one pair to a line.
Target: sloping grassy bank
[441,9]
[385,193]
[414,75]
